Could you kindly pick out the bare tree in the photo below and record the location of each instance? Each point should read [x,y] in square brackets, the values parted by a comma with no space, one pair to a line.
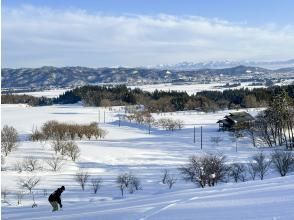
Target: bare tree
[72,150]
[82,178]
[252,170]
[96,184]
[4,193]
[55,163]
[283,162]
[58,145]
[9,139]
[30,164]
[123,182]
[3,168]
[128,181]
[179,124]
[134,183]
[216,140]
[170,181]
[19,196]
[164,176]
[261,164]
[18,166]
[29,183]
[238,172]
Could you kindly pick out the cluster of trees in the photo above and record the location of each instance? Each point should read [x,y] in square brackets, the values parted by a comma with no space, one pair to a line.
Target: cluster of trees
[272,127]
[160,101]
[25,99]
[63,131]
[275,125]
[145,117]
[210,169]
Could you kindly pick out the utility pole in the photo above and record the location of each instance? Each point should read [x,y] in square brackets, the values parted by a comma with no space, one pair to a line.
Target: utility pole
[194,134]
[118,120]
[201,136]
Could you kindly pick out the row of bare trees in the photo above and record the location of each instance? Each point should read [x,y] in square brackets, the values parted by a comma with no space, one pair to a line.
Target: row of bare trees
[145,117]
[30,164]
[209,169]
[63,131]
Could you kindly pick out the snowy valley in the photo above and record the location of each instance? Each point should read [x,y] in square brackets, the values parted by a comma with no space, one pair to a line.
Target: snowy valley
[129,148]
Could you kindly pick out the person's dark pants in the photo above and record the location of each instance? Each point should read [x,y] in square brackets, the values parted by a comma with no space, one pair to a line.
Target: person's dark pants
[54,205]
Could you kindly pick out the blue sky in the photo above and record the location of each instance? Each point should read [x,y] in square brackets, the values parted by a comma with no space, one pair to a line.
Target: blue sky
[255,12]
[144,32]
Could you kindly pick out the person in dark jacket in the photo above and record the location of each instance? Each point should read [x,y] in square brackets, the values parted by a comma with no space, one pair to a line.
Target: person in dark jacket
[54,198]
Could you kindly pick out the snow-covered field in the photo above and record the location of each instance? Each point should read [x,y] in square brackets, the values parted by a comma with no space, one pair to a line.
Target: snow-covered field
[192,88]
[129,148]
[53,93]
[189,88]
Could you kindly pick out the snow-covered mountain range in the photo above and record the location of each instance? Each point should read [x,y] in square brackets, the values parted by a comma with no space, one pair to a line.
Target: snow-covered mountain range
[226,64]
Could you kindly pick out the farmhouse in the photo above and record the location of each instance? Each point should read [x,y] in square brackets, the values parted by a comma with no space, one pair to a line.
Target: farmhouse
[229,122]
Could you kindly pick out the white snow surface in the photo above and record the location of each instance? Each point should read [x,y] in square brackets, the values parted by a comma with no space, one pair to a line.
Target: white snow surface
[192,88]
[129,148]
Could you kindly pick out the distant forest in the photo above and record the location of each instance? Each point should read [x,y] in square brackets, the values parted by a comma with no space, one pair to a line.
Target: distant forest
[158,101]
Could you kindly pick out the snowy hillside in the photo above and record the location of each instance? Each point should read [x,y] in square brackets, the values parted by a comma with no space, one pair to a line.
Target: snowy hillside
[129,148]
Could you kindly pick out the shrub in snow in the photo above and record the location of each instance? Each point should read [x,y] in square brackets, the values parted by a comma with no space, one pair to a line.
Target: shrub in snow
[30,164]
[261,165]
[9,139]
[82,178]
[128,182]
[283,162]
[205,170]
[238,172]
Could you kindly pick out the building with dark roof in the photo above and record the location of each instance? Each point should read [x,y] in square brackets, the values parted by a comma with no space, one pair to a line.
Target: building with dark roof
[235,119]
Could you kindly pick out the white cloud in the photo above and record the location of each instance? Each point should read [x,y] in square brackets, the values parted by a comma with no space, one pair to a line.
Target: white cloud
[42,36]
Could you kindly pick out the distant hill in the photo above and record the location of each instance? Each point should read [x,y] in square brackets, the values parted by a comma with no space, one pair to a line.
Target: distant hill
[47,76]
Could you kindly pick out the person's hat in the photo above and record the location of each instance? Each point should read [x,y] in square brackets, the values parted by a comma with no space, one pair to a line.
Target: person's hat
[63,188]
